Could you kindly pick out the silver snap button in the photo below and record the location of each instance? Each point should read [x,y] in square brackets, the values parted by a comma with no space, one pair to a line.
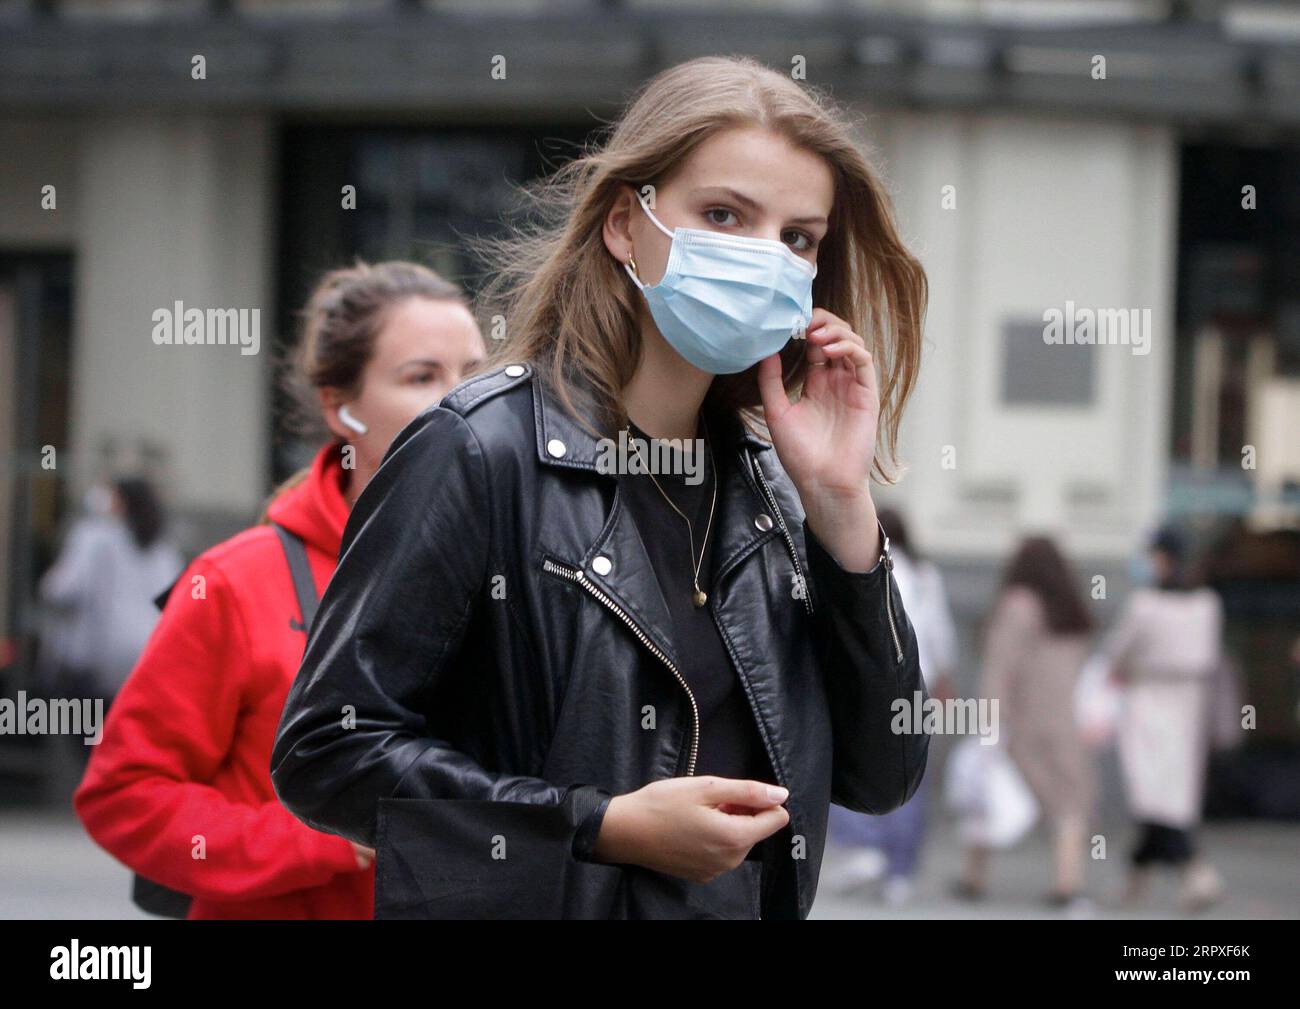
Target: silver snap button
[602,565]
[514,370]
[763,522]
[556,447]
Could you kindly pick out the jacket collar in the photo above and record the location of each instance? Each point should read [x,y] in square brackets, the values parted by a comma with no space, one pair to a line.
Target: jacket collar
[563,441]
[315,509]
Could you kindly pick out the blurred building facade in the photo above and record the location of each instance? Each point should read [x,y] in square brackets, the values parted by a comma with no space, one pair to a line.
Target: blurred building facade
[1026,180]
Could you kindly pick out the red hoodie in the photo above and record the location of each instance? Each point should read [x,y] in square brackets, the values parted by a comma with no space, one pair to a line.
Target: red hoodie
[179,789]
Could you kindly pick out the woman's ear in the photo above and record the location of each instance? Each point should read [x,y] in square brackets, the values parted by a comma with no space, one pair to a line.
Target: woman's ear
[617,231]
[330,401]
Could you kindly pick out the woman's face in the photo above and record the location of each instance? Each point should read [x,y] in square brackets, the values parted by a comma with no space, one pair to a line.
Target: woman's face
[745,181]
[424,349]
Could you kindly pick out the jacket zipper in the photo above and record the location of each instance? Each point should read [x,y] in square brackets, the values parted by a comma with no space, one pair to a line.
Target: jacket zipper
[785,532]
[889,604]
[580,577]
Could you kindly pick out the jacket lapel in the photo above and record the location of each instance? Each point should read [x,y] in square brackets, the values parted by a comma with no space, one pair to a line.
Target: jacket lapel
[616,561]
[740,531]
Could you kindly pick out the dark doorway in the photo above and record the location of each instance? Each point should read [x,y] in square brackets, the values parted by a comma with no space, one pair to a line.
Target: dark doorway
[419,191]
[35,363]
[1238,347]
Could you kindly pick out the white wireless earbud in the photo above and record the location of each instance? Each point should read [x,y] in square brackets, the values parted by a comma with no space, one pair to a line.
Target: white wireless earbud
[345,415]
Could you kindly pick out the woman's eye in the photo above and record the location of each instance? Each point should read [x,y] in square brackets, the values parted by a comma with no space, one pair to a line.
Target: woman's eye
[797,240]
[421,378]
[727,216]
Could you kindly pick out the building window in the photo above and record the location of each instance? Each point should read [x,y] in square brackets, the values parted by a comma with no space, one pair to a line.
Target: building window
[1035,372]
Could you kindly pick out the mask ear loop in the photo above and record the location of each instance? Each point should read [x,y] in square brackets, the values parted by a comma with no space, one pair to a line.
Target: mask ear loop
[631,270]
[658,224]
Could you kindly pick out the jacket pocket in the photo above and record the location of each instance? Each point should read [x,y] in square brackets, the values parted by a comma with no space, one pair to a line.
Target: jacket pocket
[733,895]
[482,859]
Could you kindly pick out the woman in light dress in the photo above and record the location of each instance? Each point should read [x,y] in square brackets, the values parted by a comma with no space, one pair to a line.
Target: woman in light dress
[1164,652]
[1037,641]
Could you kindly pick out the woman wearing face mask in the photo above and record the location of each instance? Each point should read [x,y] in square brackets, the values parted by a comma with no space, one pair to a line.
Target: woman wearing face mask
[585,691]
[178,789]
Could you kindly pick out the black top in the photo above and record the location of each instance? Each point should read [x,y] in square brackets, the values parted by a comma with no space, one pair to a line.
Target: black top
[730,745]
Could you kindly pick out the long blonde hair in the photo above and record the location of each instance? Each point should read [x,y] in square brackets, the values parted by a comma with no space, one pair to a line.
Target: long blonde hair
[570,310]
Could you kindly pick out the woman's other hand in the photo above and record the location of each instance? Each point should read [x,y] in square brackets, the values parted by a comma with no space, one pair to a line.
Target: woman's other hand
[365,856]
[695,828]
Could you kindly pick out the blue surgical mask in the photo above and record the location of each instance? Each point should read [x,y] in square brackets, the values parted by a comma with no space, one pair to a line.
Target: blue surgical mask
[726,302]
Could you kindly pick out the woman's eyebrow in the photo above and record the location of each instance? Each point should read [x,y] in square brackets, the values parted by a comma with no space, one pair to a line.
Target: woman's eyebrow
[750,204]
[732,194]
[419,362]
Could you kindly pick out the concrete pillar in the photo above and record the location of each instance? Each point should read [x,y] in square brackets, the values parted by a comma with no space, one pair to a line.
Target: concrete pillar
[175,209]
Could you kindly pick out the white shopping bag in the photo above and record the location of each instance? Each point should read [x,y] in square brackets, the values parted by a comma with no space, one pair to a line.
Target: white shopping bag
[985,789]
[1097,702]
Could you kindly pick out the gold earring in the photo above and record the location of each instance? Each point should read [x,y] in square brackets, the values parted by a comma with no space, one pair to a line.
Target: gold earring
[632,263]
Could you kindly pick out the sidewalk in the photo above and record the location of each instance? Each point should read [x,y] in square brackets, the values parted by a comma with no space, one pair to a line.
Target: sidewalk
[1258,862]
[53,870]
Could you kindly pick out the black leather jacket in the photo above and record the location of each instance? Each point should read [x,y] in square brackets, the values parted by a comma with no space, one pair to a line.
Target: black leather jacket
[492,661]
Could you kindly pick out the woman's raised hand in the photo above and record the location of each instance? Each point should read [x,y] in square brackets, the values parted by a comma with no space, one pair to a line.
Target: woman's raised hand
[827,439]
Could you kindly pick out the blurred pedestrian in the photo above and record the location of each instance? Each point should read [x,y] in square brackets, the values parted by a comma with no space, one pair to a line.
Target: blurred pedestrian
[889,846]
[1037,642]
[1164,652]
[115,559]
[180,788]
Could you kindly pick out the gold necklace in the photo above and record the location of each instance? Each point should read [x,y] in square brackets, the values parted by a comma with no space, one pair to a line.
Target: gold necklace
[698,596]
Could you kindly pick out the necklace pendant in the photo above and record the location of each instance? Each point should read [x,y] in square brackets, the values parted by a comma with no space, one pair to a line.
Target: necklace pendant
[700,598]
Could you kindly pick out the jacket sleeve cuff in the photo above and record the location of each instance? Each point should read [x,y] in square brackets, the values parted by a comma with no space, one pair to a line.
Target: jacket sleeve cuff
[821,560]
[337,852]
[860,604]
[592,804]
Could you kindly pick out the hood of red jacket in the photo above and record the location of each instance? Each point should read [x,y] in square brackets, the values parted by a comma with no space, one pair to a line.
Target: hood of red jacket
[315,509]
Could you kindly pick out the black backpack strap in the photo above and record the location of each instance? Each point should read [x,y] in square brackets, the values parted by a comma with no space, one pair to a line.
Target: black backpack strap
[160,600]
[304,585]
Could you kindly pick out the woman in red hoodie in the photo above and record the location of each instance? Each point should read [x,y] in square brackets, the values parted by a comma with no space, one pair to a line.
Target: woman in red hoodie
[179,788]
